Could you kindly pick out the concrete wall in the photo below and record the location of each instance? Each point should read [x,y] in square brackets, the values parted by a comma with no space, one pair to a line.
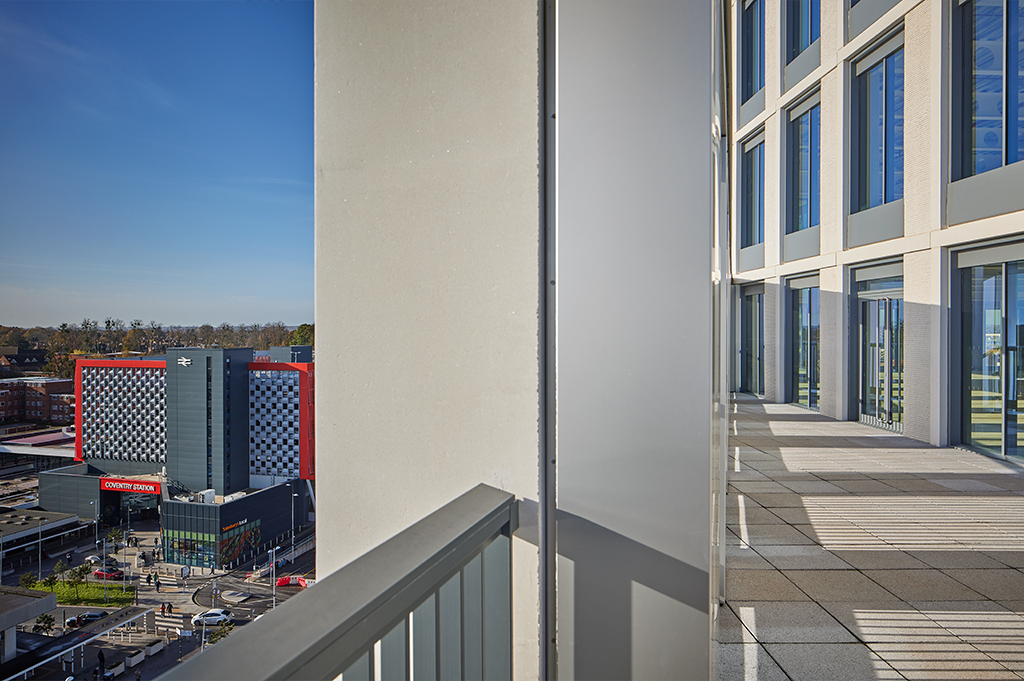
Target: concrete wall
[428,272]
[634,226]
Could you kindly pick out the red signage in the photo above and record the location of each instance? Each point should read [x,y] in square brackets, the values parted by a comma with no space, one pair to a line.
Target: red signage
[119,485]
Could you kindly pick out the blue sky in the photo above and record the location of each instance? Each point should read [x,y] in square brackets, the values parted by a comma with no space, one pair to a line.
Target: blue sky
[156,162]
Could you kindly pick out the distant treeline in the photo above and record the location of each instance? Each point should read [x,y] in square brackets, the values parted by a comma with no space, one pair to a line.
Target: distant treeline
[114,337]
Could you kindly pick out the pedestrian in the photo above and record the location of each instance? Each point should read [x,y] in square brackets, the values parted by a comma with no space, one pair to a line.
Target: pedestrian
[157,582]
[138,675]
[169,608]
[163,608]
[149,579]
[103,659]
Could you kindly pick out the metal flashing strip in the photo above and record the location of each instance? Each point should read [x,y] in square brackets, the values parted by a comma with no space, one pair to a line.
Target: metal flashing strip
[753,140]
[990,255]
[877,54]
[893,269]
[322,631]
[810,281]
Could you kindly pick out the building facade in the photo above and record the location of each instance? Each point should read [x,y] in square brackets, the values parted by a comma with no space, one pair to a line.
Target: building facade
[185,437]
[879,222]
[40,400]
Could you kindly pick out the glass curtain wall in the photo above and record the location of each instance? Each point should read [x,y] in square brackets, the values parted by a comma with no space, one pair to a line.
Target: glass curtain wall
[752,231]
[806,163]
[881,352]
[993,64]
[806,334]
[804,25]
[752,343]
[983,349]
[993,358]
[753,48]
[880,133]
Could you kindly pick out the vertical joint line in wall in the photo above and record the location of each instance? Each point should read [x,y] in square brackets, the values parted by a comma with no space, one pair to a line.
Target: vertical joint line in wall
[547,467]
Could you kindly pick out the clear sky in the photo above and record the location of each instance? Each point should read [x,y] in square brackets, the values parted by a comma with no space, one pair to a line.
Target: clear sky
[156,162]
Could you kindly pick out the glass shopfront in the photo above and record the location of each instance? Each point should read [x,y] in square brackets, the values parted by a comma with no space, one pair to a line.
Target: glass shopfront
[806,370]
[752,340]
[992,343]
[881,309]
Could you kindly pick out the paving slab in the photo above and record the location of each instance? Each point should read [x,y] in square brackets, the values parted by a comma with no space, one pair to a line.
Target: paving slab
[801,557]
[747,661]
[879,559]
[760,585]
[919,585]
[998,585]
[838,585]
[791,622]
[831,661]
[972,560]
[744,557]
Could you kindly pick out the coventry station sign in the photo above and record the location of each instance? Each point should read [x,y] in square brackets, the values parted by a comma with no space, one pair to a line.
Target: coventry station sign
[119,485]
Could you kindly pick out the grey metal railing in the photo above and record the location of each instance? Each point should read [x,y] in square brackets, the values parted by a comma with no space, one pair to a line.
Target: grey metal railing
[433,602]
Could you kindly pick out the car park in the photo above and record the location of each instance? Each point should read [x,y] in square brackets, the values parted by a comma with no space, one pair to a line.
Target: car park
[213,616]
[108,573]
[84,618]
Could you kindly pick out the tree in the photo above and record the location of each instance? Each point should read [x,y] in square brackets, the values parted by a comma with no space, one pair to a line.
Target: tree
[44,624]
[75,577]
[26,581]
[222,631]
[14,337]
[302,335]
[59,568]
[115,535]
[50,581]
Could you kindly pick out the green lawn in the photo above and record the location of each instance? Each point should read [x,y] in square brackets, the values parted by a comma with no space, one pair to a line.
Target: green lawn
[92,594]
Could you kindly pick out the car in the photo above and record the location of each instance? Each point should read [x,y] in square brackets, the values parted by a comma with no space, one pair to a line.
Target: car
[84,618]
[212,617]
[108,573]
[101,560]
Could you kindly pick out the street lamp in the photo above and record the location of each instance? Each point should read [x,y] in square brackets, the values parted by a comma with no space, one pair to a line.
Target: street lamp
[293,525]
[273,571]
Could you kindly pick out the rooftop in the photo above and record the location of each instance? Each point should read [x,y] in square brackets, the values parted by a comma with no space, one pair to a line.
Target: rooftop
[856,553]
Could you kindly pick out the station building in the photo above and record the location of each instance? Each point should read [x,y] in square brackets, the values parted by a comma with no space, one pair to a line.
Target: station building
[217,444]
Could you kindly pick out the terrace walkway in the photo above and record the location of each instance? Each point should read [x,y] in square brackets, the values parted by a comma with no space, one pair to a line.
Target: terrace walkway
[854,553]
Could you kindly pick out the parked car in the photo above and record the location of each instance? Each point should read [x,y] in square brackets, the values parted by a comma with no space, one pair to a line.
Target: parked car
[101,560]
[212,617]
[84,618]
[108,573]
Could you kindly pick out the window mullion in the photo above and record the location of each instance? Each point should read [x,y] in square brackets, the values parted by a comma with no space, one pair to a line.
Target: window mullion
[1006,83]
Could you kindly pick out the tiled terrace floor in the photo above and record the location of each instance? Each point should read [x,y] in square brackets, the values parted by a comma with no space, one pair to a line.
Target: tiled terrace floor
[854,553]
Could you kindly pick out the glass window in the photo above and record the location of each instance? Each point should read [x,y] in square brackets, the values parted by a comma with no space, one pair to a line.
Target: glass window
[752,344]
[982,329]
[993,84]
[806,333]
[805,161]
[752,208]
[880,133]
[752,59]
[804,25]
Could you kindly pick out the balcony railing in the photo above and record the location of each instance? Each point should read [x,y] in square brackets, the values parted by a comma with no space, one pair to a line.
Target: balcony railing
[433,602]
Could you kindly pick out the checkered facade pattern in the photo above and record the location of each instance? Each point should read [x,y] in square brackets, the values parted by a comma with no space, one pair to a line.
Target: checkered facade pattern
[274,423]
[123,413]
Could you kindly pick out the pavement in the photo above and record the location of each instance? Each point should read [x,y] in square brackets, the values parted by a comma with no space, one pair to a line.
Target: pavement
[856,553]
[186,597]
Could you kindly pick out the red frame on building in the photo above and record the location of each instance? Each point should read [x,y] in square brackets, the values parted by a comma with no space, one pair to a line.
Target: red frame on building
[102,363]
[307,437]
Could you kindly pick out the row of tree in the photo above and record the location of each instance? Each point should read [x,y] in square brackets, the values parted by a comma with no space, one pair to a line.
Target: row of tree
[137,337]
